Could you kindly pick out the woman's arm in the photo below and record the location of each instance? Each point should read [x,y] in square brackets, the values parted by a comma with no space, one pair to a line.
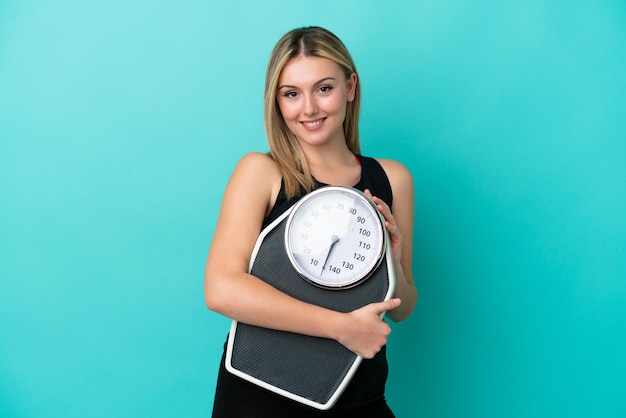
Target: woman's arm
[232,292]
[399,223]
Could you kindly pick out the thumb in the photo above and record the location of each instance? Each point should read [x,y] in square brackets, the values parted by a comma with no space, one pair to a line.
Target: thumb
[386,305]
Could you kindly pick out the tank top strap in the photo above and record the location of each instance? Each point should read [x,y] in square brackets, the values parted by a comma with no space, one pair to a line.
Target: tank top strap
[373,177]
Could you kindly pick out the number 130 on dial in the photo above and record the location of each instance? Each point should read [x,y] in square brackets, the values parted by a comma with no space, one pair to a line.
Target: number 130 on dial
[335,237]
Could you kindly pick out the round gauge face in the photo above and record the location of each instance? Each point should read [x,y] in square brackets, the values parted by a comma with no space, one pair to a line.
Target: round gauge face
[335,237]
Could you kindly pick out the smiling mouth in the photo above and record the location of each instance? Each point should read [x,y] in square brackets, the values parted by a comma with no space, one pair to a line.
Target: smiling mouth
[314,123]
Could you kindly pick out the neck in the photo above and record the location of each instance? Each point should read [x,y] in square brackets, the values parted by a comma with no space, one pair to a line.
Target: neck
[328,155]
[336,167]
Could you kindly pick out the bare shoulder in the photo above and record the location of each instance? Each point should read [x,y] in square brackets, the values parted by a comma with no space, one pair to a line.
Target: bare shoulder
[256,180]
[399,176]
[258,163]
[257,170]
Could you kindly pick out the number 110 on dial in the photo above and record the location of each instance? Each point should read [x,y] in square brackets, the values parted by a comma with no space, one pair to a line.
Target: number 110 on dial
[335,237]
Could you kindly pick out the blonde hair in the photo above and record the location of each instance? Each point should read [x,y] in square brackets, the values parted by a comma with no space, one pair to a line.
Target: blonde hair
[310,41]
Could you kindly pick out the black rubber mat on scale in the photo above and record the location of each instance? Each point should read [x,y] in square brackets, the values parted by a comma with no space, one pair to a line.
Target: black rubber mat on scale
[307,367]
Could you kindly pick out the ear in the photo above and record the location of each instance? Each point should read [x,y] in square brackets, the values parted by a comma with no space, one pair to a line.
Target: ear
[352,82]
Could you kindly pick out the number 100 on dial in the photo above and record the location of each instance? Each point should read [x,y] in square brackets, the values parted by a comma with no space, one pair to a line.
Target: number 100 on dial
[335,237]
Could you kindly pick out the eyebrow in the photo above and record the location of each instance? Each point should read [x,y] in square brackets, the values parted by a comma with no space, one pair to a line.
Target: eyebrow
[317,83]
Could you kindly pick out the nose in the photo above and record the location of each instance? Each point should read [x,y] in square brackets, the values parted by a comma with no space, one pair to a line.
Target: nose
[310,105]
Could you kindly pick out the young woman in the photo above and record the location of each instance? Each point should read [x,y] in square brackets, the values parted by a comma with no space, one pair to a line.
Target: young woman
[312,98]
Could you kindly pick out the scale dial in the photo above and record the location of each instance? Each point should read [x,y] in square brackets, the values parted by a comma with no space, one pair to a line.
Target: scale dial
[335,237]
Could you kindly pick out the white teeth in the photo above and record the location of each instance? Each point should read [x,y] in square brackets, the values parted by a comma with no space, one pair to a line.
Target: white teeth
[311,124]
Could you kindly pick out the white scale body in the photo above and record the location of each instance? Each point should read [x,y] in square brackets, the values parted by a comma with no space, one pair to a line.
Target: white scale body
[329,249]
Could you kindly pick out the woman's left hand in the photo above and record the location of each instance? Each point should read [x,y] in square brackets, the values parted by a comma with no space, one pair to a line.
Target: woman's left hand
[395,235]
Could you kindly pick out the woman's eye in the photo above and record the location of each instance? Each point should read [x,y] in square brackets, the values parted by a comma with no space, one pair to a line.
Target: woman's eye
[290,94]
[326,89]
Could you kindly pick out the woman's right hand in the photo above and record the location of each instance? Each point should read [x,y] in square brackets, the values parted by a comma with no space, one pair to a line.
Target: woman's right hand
[365,332]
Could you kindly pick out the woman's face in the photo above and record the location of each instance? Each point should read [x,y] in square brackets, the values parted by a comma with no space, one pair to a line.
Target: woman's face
[312,96]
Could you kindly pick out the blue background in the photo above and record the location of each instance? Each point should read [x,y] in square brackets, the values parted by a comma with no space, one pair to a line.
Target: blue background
[121,121]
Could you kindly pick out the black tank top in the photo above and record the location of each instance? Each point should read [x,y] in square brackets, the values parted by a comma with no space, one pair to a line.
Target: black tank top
[373,177]
[365,392]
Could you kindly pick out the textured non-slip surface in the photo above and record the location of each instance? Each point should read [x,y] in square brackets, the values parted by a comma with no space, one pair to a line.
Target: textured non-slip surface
[309,367]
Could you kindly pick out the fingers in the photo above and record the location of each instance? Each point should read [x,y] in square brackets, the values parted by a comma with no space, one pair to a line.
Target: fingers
[368,351]
[368,354]
[366,332]
[380,205]
[385,306]
[395,234]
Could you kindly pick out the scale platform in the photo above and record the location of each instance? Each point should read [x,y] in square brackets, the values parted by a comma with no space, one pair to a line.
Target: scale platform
[310,370]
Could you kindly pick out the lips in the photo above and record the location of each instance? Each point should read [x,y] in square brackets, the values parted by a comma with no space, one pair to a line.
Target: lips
[313,125]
